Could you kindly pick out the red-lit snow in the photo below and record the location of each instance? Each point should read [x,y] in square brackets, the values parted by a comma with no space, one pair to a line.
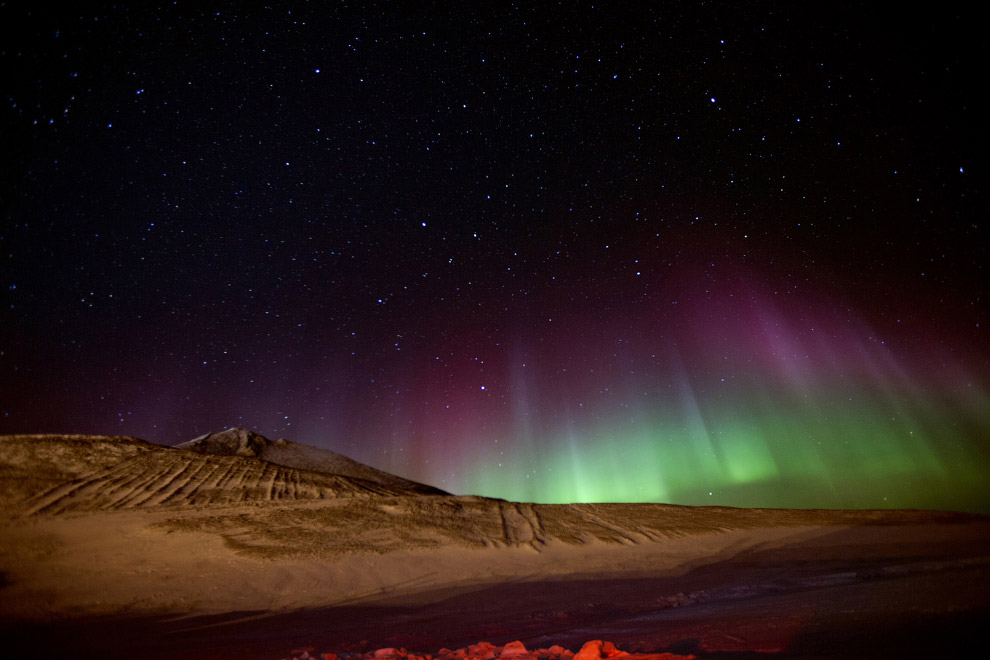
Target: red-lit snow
[594,650]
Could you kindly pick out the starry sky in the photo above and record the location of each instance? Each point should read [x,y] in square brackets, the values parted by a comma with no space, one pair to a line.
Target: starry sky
[701,253]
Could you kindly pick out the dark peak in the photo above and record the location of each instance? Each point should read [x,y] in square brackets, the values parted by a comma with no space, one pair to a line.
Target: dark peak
[232,442]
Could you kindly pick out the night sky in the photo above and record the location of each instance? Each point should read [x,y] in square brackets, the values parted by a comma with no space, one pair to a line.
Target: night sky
[731,254]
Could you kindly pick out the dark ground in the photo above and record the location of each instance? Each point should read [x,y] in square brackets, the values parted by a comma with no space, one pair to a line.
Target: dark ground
[856,602]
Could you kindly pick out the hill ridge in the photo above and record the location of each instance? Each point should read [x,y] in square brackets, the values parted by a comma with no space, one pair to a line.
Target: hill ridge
[53,474]
[243,442]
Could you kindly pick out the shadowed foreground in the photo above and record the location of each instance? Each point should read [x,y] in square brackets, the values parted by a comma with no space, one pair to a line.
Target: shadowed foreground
[118,548]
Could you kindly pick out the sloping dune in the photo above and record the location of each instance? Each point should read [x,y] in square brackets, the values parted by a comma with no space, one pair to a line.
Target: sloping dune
[241,442]
[53,475]
[30,464]
[184,479]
